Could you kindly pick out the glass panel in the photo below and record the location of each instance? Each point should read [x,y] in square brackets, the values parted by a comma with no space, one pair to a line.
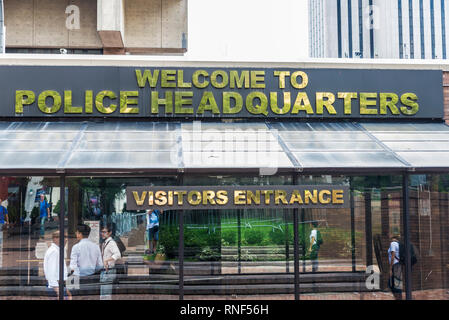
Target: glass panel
[334,145]
[121,160]
[246,254]
[120,146]
[421,136]
[30,160]
[344,252]
[230,146]
[426,159]
[429,221]
[134,273]
[236,160]
[347,159]
[29,258]
[419,127]
[418,146]
[324,136]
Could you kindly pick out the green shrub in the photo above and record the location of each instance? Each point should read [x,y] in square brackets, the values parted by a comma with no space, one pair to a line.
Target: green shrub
[254,236]
[278,237]
[229,236]
[169,241]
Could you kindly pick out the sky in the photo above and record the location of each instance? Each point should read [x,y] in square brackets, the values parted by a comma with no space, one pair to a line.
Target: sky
[247,30]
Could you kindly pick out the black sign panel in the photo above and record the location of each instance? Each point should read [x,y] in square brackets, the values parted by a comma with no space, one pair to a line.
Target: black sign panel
[155,92]
[236,197]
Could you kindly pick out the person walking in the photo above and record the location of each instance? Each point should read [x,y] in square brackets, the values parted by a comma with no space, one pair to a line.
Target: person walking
[394,258]
[44,213]
[153,230]
[3,215]
[85,259]
[51,268]
[315,241]
[110,254]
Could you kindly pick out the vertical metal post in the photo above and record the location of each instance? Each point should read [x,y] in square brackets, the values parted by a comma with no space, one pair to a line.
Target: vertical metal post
[181,248]
[239,241]
[296,247]
[406,226]
[351,201]
[62,238]
[368,230]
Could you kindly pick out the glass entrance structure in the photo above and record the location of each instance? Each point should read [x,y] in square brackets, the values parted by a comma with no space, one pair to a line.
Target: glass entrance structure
[397,174]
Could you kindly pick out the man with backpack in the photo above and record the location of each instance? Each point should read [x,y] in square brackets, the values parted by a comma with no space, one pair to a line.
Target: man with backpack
[153,230]
[396,257]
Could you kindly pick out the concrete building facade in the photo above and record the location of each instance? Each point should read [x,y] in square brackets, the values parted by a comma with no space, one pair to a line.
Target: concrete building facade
[109,27]
[399,29]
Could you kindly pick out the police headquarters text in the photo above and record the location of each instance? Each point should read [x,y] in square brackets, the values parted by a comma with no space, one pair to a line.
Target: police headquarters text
[240,309]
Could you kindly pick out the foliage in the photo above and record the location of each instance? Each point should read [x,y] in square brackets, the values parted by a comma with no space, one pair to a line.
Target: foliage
[254,236]
[229,236]
[169,241]
[209,254]
[278,237]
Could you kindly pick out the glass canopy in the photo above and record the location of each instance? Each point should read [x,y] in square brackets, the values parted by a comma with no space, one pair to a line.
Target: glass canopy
[127,145]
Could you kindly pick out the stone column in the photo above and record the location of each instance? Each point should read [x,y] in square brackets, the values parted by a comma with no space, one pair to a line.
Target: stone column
[111,25]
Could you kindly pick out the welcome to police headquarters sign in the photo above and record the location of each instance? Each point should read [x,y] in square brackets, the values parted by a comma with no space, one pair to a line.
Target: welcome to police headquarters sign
[34,91]
[231,197]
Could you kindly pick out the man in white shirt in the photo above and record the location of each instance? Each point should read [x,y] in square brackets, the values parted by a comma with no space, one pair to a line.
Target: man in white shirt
[85,259]
[395,267]
[110,253]
[51,267]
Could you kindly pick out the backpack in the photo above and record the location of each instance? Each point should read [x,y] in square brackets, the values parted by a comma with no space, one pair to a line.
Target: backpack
[413,257]
[120,245]
[319,240]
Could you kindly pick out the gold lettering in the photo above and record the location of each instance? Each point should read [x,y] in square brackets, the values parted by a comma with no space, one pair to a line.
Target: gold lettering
[68,108]
[42,101]
[208,103]
[21,100]
[239,82]
[151,78]
[224,79]
[321,196]
[327,103]
[337,196]
[281,75]
[253,197]
[190,199]
[180,101]
[222,197]
[280,196]
[181,83]
[239,197]
[347,96]
[168,79]
[139,200]
[99,101]
[365,102]
[167,102]
[302,103]
[196,81]
[409,101]
[311,196]
[274,103]
[227,96]
[258,79]
[161,198]
[304,80]
[126,99]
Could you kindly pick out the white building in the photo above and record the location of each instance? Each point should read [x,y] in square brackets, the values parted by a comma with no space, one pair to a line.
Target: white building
[389,29]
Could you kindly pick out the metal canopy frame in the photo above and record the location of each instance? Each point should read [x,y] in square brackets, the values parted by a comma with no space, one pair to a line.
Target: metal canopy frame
[296,170]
